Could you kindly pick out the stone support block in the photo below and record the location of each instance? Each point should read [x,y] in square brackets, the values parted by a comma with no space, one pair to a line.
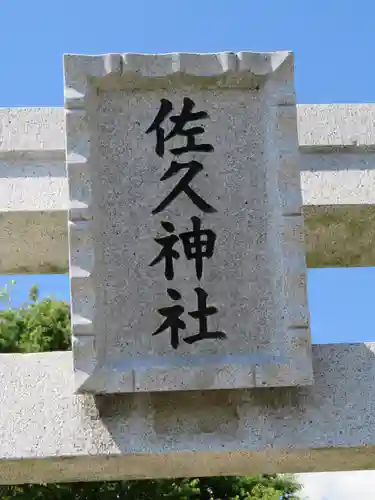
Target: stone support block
[48,434]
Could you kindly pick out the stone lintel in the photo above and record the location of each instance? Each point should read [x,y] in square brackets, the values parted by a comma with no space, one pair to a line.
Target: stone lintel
[326,128]
[36,242]
[48,434]
[337,177]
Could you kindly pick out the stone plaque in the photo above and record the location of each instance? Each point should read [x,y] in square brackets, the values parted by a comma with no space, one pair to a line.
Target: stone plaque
[187,264]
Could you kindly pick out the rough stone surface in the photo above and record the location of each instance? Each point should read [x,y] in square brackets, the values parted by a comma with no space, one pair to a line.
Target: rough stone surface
[325,127]
[248,184]
[322,127]
[336,236]
[332,127]
[31,131]
[337,187]
[49,434]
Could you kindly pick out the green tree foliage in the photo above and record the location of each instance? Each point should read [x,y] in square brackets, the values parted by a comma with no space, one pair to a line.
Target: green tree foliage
[263,487]
[35,327]
[45,326]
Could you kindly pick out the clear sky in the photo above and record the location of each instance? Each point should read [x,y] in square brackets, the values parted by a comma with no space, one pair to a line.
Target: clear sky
[334,46]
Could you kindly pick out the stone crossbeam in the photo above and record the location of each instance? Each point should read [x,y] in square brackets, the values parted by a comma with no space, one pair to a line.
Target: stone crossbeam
[337,172]
[51,435]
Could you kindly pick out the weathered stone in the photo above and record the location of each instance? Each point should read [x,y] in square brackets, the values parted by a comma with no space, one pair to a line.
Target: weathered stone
[242,187]
[48,434]
[337,187]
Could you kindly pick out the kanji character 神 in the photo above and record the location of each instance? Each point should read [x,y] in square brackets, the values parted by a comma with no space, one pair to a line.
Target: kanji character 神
[198,244]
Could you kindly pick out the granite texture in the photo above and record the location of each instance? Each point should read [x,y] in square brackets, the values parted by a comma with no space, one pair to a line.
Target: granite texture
[321,127]
[337,178]
[253,275]
[34,132]
[332,127]
[48,434]
[36,242]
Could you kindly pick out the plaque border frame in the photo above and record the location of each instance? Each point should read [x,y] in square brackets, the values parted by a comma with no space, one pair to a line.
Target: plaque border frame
[273,70]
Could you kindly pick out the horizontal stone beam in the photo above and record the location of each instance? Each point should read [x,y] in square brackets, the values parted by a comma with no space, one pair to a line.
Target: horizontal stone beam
[49,434]
[337,175]
[321,127]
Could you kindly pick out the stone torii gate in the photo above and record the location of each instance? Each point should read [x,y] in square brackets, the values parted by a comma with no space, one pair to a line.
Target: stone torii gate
[126,404]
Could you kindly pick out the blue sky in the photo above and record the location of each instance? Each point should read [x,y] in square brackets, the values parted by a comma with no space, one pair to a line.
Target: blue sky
[332,40]
[333,43]
[340,301]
